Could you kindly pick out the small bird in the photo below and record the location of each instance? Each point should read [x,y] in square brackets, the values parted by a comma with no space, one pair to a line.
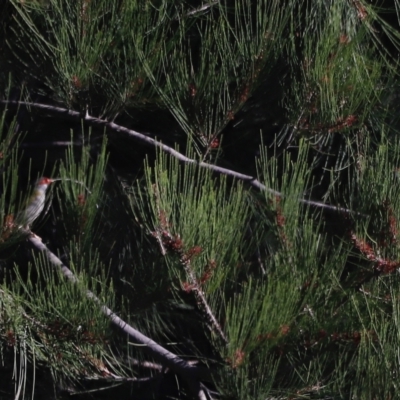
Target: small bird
[35,204]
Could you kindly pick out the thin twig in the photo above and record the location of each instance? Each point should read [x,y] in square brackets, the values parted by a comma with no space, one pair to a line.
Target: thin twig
[202,8]
[55,143]
[72,180]
[178,17]
[197,290]
[166,241]
[253,181]
[201,299]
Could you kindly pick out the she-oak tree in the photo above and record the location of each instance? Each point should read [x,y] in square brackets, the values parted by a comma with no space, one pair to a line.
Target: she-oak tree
[225,212]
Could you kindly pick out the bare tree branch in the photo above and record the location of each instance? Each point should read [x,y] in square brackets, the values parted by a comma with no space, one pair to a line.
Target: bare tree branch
[191,374]
[253,181]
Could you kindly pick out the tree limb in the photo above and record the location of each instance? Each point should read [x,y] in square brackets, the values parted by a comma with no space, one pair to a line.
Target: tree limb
[253,181]
[191,374]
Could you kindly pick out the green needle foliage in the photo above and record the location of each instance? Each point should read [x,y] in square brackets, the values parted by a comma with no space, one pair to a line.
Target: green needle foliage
[337,78]
[80,195]
[205,81]
[218,212]
[9,178]
[279,285]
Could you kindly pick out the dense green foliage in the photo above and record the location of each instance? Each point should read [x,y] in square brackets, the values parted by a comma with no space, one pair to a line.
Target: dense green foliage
[226,181]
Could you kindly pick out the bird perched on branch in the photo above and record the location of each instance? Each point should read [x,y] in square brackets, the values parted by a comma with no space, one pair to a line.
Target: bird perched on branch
[35,204]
